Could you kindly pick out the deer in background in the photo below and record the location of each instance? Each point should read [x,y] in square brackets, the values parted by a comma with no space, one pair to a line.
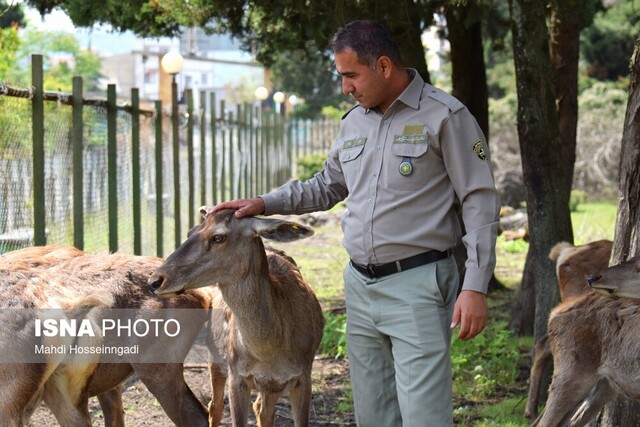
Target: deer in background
[596,350]
[622,280]
[574,264]
[266,320]
[39,278]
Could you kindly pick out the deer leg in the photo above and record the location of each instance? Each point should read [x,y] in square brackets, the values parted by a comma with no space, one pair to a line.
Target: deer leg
[112,407]
[166,382]
[567,390]
[599,396]
[239,397]
[20,393]
[68,406]
[300,397]
[265,409]
[542,357]
[216,406]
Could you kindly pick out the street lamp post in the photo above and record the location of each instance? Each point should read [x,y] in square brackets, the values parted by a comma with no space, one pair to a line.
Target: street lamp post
[172,63]
[261,93]
[279,98]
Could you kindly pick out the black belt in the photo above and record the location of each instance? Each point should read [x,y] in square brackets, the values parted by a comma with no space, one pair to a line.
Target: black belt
[381,270]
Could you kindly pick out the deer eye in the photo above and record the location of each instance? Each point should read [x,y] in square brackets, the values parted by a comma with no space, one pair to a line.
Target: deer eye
[218,238]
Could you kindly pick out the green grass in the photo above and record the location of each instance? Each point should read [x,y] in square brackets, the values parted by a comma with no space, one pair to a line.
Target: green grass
[594,221]
[505,413]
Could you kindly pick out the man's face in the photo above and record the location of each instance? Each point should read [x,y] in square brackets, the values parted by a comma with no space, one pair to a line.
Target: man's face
[358,80]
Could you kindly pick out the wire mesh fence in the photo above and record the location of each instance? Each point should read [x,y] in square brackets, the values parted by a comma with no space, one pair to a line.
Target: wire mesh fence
[16,176]
[223,153]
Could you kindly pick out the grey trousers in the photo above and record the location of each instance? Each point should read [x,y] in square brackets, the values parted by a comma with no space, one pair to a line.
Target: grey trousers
[398,341]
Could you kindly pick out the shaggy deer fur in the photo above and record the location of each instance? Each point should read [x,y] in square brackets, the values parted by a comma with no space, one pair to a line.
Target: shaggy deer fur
[83,285]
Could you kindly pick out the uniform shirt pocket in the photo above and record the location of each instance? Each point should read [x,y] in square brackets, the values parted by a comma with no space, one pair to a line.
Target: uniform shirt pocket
[350,157]
[408,168]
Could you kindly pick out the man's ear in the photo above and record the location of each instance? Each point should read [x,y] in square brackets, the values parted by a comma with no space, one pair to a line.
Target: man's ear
[385,65]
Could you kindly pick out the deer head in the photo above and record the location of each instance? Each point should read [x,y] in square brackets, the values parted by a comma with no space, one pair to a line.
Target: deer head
[220,251]
[621,280]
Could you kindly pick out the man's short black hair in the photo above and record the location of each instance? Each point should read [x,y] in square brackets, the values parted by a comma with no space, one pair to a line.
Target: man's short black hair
[369,40]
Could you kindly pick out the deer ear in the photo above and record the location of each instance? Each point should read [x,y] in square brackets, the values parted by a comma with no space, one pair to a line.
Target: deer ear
[280,231]
[194,229]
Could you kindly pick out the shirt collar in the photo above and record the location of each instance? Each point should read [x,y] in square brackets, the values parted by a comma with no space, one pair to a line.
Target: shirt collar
[412,93]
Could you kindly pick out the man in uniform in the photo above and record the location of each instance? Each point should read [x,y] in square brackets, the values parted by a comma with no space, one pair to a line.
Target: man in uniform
[410,158]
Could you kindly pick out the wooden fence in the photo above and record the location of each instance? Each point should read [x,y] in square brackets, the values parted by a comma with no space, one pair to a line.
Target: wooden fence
[112,177]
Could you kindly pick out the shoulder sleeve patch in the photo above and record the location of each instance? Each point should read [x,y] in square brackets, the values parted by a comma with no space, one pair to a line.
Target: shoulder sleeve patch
[444,98]
[350,110]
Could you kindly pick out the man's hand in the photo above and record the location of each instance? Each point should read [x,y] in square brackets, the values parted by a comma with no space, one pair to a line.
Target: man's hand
[243,207]
[471,313]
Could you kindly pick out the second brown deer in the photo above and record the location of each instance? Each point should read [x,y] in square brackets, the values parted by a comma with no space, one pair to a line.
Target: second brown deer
[266,323]
[574,264]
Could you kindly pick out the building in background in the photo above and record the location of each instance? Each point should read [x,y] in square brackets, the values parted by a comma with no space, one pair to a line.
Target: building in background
[212,63]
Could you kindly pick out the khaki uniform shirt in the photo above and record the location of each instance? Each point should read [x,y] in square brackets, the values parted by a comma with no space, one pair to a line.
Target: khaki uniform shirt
[406,174]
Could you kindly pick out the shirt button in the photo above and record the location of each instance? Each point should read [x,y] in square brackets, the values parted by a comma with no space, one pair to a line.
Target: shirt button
[366,228]
[386,122]
[369,201]
[375,174]
[379,147]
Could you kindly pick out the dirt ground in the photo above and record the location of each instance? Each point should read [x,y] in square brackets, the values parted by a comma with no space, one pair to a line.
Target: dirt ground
[330,377]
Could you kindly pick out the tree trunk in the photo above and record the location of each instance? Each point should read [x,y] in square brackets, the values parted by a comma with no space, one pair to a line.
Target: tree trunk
[405,23]
[565,52]
[469,77]
[543,164]
[469,80]
[626,244]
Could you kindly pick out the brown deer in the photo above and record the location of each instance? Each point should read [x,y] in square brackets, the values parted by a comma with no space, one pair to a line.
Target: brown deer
[45,257]
[595,344]
[266,320]
[84,285]
[574,264]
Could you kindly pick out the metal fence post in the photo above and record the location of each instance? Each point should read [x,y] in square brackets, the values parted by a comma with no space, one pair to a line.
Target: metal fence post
[214,154]
[112,166]
[77,137]
[159,186]
[176,161]
[191,197]
[203,151]
[37,126]
[135,169]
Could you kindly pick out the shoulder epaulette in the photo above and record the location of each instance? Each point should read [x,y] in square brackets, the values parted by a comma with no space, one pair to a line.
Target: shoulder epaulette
[444,98]
[350,110]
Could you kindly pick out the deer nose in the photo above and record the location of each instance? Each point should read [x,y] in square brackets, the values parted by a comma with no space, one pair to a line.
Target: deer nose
[155,283]
[593,278]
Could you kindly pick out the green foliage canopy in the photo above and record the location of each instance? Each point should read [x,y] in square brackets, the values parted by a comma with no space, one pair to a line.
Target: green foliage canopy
[146,18]
[11,15]
[62,57]
[607,44]
[9,45]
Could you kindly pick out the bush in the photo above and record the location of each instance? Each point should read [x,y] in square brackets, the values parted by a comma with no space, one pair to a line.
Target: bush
[577,198]
[334,337]
[310,165]
[484,364]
